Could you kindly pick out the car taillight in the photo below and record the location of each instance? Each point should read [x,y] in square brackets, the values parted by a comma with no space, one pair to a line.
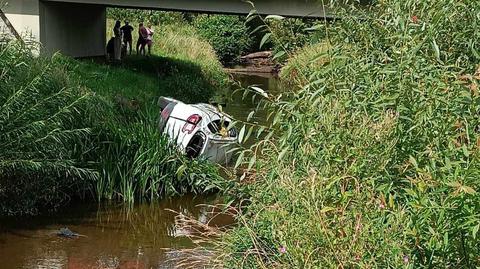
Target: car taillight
[192,122]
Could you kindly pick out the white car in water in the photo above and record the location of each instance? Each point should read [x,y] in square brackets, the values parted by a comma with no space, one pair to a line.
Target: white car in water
[199,130]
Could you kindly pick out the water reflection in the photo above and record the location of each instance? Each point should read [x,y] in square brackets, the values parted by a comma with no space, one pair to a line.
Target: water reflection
[114,236]
[240,107]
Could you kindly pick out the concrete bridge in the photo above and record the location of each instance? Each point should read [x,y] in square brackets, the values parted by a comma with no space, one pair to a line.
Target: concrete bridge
[78,27]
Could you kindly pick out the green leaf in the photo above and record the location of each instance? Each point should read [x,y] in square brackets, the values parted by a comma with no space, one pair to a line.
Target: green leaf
[436,49]
[260,131]
[279,54]
[327,209]
[259,91]
[284,151]
[475,231]
[261,27]
[249,2]
[314,28]
[250,115]
[241,134]
[181,171]
[252,162]
[239,159]
[249,133]
[265,38]
[465,151]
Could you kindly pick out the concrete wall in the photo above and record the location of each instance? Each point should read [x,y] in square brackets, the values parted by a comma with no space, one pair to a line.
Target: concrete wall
[77,30]
[24,16]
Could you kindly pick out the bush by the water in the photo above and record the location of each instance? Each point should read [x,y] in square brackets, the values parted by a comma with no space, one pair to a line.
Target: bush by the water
[375,157]
[227,34]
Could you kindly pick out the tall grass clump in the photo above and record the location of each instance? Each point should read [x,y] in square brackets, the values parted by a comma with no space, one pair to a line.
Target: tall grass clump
[182,42]
[138,163]
[43,129]
[373,161]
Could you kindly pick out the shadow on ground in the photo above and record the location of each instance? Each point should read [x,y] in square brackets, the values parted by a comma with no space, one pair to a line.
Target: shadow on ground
[175,78]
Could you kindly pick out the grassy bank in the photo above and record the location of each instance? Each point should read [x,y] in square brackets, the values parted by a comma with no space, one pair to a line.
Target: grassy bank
[375,157]
[82,130]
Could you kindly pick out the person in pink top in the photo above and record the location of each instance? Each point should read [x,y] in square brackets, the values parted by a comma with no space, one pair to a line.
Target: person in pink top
[142,39]
[149,39]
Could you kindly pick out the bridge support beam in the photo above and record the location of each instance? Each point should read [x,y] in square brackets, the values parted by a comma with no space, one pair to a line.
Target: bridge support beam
[76,30]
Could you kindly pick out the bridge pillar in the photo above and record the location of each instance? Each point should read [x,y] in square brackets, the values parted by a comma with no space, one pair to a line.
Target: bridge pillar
[77,30]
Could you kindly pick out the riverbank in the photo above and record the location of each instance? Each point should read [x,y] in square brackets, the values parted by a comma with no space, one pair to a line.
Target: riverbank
[94,135]
[256,63]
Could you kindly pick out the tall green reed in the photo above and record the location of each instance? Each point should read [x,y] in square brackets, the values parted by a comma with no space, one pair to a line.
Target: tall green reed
[40,123]
[139,163]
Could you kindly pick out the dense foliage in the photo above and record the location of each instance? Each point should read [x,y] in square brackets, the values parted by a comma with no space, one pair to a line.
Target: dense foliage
[153,17]
[289,34]
[374,157]
[227,34]
[71,129]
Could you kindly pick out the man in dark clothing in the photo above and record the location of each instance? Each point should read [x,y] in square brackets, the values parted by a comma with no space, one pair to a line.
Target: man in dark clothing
[127,30]
[111,49]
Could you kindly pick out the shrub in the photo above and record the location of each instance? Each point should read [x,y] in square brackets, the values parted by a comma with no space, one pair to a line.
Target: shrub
[42,118]
[374,157]
[227,34]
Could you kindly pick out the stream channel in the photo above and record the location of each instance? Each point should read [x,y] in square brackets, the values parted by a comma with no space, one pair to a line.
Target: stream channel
[117,236]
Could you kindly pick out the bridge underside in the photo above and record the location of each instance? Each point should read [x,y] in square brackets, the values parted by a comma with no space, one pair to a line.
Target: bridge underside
[289,8]
[77,27]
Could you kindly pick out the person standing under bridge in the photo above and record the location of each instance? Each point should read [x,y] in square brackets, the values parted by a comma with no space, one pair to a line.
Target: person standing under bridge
[149,39]
[142,39]
[117,41]
[127,30]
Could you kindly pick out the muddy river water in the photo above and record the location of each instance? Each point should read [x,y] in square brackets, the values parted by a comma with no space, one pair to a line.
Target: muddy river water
[116,236]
